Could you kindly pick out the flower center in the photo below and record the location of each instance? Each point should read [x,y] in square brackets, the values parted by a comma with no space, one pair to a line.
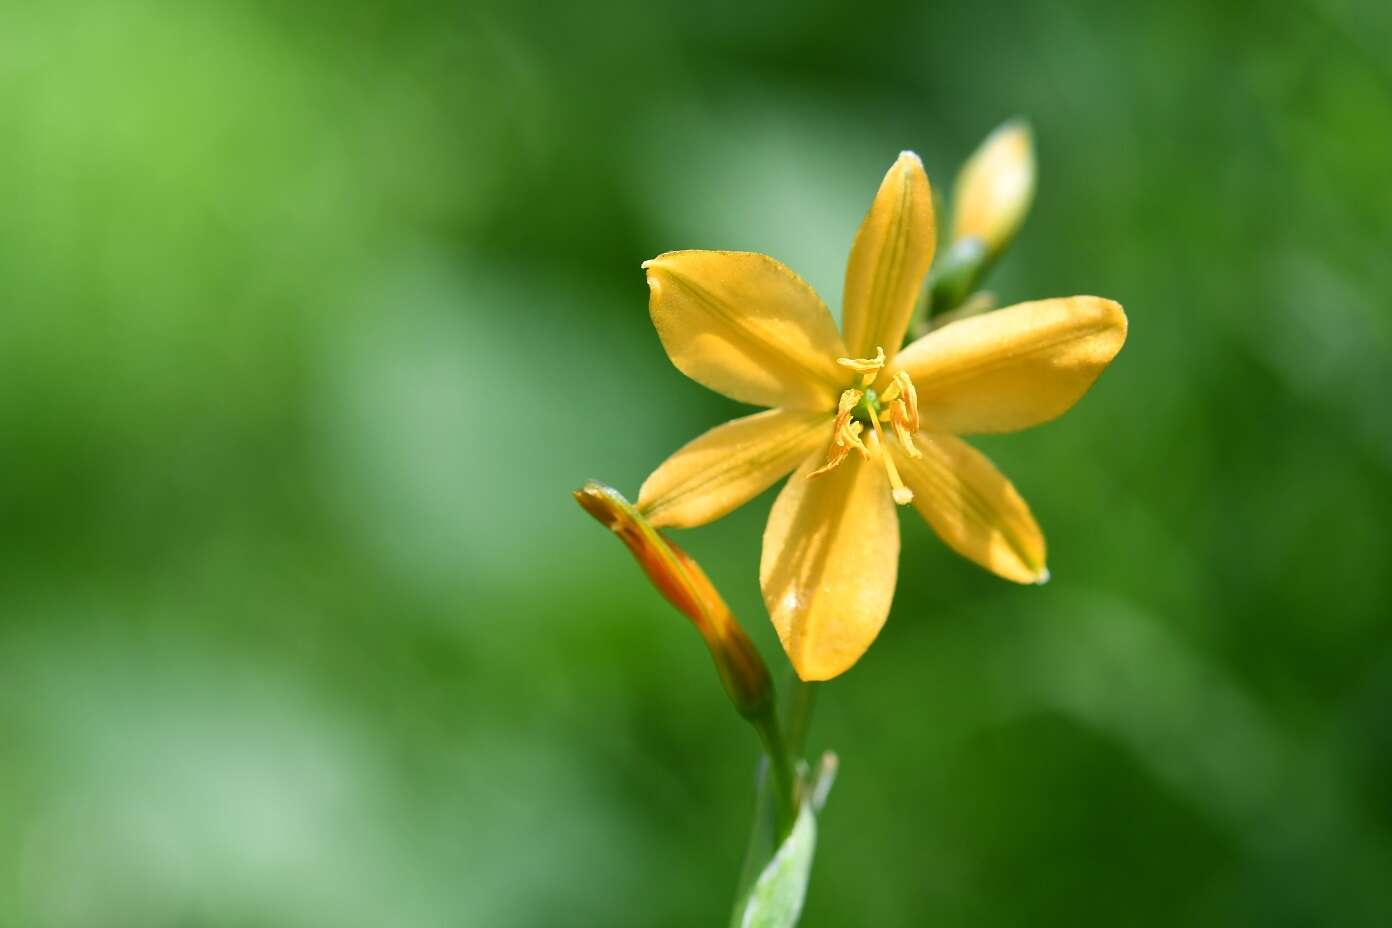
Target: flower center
[860,405]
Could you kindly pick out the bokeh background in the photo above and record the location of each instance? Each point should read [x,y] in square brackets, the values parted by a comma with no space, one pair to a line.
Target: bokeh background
[312,314]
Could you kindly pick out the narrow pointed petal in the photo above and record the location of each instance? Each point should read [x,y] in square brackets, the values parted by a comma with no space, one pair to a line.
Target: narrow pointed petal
[730,465]
[830,561]
[746,326]
[973,508]
[1014,367]
[891,255]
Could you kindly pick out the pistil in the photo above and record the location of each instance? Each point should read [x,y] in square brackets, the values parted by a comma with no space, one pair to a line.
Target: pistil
[867,368]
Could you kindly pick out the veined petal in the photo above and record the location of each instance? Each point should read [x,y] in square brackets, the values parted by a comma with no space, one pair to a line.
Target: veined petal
[730,465]
[1014,367]
[973,508]
[830,560]
[746,326]
[891,255]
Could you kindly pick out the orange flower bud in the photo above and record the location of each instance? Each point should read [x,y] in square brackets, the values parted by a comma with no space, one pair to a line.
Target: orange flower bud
[685,585]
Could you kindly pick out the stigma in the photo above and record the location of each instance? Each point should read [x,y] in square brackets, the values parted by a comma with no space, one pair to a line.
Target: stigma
[867,368]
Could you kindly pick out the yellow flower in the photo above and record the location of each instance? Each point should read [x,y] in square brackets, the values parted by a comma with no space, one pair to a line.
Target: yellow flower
[862,424]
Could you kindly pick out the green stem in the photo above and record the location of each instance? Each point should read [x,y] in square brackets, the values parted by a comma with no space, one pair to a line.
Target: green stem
[955,274]
[784,779]
[802,698]
[772,803]
[760,846]
[777,799]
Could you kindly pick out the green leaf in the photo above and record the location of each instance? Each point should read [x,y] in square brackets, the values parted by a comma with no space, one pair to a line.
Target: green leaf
[776,898]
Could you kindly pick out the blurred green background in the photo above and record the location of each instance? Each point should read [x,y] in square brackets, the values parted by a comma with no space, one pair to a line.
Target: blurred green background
[314,313]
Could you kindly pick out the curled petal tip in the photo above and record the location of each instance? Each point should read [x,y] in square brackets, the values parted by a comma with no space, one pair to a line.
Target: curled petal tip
[1043,577]
[658,261]
[598,500]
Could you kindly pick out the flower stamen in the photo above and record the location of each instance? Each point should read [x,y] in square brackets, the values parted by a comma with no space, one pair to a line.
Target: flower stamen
[902,494]
[845,409]
[841,446]
[899,403]
[906,384]
[899,417]
[845,433]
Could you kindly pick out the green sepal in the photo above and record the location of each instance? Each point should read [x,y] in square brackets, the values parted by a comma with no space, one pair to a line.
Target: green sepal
[955,274]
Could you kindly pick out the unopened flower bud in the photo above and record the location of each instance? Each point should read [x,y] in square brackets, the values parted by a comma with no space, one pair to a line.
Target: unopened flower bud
[995,187]
[685,585]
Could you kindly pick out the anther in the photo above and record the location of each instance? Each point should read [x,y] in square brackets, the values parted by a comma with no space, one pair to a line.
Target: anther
[905,383]
[899,403]
[850,435]
[845,433]
[845,407]
[846,438]
[899,421]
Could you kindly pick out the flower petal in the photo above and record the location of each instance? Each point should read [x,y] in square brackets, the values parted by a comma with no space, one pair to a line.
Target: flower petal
[973,508]
[1014,367]
[746,326]
[891,255]
[830,560]
[730,465]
